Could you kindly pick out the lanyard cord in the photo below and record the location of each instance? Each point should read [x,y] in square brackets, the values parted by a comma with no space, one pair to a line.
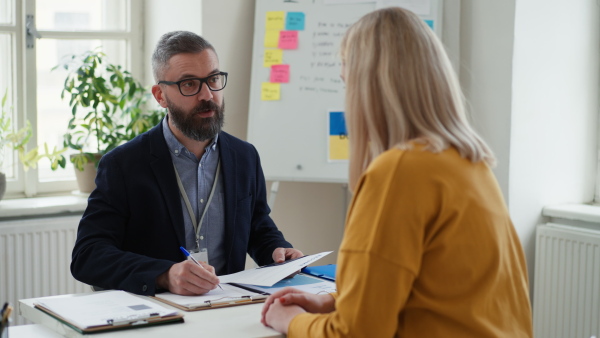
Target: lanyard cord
[197,225]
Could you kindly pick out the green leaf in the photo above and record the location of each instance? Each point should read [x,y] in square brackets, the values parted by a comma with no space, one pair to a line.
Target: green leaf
[4,98]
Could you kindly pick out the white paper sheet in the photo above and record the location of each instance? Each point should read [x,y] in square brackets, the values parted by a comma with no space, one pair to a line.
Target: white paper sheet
[102,308]
[267,276]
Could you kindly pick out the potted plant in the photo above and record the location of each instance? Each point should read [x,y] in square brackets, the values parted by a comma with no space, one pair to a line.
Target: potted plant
[17,140]
[107,107]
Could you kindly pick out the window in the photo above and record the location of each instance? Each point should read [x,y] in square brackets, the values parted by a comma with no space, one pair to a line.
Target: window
[65,27]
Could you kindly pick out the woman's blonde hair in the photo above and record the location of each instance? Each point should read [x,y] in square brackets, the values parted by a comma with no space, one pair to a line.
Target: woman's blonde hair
[400,86]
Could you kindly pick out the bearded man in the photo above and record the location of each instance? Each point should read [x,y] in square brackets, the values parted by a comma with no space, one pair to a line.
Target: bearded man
[185,183]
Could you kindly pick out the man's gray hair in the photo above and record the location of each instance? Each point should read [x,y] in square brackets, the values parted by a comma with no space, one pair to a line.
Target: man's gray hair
[173,43]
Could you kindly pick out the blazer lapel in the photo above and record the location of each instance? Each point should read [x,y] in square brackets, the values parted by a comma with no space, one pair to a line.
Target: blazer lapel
[162,167]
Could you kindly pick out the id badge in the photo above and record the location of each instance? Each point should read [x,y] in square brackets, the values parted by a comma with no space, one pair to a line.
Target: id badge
[201,256]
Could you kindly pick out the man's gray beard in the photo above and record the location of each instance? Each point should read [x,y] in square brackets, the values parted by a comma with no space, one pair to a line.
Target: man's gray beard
[202,129]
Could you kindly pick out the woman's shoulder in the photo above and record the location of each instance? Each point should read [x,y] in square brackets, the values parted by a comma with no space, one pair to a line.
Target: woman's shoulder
[417,161]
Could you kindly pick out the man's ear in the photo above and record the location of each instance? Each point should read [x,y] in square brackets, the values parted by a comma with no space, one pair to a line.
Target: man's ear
[159,95]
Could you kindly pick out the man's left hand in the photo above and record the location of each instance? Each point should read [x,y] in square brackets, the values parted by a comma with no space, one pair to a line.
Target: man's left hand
[283,254]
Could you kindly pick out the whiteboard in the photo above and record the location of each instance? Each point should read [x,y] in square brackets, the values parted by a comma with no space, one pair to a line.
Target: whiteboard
[291,133]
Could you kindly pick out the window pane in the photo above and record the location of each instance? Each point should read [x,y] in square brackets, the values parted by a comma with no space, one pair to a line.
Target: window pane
[6,86]
[72,15]
[53,113]
[6,12]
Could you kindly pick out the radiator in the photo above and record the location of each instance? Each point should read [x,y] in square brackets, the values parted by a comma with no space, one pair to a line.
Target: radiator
[566,302]
[34,259]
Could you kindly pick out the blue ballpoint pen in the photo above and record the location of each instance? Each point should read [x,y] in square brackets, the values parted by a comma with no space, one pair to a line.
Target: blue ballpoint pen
[187,254]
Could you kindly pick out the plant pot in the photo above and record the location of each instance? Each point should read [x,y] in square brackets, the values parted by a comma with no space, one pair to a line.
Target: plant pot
[2,185]
[86,178]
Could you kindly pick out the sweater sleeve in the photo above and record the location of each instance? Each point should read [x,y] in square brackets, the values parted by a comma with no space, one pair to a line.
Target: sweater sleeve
[378,261]
[368,307]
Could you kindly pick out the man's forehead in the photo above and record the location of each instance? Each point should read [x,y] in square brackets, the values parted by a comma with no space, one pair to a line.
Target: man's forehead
[205,61]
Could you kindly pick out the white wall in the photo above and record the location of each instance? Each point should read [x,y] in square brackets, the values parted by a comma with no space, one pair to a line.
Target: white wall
[486,39]
[554,109]
[530,71]
[231,34]
[161,17]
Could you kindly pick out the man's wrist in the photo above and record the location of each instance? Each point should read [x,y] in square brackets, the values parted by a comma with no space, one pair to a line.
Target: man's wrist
[162,281]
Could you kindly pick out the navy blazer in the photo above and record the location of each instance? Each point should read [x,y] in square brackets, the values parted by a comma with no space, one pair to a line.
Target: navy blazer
[133,225]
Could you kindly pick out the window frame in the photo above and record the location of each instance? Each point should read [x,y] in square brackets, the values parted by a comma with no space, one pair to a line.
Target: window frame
[24,82]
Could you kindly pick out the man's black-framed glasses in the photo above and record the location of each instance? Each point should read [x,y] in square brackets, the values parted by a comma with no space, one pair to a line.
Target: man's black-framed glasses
[191,87]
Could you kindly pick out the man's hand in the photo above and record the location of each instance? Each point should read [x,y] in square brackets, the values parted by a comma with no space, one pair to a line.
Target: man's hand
[188,279]
[282,254]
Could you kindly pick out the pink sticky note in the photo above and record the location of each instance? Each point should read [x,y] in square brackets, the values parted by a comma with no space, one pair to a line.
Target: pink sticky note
[288,39]
[280,73]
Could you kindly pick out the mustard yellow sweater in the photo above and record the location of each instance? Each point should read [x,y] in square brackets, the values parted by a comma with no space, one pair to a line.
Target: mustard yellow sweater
[429,251]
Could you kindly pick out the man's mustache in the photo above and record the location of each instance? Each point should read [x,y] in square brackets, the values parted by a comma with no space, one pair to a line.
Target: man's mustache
[204,106]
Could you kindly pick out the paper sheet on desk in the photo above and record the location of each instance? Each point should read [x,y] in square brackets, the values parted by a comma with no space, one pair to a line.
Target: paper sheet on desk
[267,276]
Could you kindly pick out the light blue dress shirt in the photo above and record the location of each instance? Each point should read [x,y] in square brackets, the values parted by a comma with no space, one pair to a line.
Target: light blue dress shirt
[197,177]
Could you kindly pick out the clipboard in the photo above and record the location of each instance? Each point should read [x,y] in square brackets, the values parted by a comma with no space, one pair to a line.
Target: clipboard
[135,323]
[235,294]
[231,295]
[99,319]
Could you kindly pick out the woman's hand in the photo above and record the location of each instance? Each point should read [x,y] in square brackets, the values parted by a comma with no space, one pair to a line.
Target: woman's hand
[279,316]
[306,301]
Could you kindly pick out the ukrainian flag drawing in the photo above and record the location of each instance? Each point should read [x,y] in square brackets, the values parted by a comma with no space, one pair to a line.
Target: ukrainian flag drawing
[338,137]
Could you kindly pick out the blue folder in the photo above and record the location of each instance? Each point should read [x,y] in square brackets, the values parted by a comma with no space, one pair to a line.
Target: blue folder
[322,271]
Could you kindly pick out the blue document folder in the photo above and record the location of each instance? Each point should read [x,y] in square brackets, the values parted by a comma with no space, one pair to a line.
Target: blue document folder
[322,271]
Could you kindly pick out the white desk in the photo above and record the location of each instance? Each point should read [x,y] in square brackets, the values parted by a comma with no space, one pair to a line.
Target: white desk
[32,330]
[235,321]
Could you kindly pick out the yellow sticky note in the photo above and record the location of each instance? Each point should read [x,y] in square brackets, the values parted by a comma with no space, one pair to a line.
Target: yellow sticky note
[275,20]
[271,39]
[270,91]
[273,57]
[339,148]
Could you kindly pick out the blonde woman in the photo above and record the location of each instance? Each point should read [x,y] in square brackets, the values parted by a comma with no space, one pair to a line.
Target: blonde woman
[429,248]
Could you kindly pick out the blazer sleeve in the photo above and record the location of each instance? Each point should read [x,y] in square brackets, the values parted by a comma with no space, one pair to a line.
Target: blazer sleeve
[101,256]
[264,235]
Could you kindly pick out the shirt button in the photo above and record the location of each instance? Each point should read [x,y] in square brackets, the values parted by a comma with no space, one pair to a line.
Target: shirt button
[202,200]
[144,288]
[201,237]
[176,151]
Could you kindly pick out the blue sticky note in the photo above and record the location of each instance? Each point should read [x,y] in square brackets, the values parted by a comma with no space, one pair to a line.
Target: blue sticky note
[337,124]
[429,23]
[294,21]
